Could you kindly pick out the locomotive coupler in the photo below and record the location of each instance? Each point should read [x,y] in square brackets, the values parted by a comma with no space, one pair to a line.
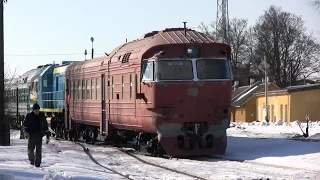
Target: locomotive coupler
[194,132]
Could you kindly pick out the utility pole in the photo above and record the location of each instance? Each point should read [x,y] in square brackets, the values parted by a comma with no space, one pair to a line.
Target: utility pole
[4,125]
[222,21]
[266,88]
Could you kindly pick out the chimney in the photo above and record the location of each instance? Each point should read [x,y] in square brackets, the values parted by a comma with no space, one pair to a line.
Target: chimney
[236,84]
[252,81]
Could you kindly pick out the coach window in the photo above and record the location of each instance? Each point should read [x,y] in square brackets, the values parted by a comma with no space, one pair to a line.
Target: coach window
[88,88]
[147,71]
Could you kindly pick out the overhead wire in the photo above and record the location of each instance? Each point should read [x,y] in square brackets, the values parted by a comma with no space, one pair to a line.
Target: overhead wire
[71,54]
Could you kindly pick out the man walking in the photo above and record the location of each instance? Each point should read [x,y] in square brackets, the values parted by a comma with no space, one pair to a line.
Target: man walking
[36,127]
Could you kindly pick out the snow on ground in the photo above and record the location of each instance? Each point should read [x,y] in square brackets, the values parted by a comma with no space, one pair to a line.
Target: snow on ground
[263,148]
[72,163]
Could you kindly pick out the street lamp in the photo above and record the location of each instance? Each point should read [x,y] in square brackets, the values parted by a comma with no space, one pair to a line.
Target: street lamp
[92,39]
[85,54]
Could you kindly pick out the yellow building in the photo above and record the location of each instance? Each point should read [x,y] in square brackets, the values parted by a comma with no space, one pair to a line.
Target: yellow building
[244,101]
[290,104]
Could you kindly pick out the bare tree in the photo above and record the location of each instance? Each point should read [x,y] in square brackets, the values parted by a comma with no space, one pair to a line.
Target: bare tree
[239,39]
[9,87]
[315,4]
[290,51]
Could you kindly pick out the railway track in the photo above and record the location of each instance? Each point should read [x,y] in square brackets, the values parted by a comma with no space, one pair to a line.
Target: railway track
[131,154]
[87,151]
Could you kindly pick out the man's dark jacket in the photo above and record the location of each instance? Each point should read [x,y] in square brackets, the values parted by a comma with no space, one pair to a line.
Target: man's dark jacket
[36,124]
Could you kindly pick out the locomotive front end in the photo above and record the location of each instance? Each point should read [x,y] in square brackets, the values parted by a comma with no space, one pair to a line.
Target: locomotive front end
[191,103]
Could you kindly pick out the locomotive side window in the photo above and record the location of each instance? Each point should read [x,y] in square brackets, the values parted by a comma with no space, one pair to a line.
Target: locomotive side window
[79,89]
[147,71]
[112,84]
[96,96]
[130,86]
[98,89]
[122,86]
[71,90]
[93,96]
[213,69]
[83,89]
[174,70]
[88,88]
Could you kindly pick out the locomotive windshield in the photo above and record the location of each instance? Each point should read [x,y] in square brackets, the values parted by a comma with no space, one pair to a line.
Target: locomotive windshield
[213,69]
[173,70]
[166,70]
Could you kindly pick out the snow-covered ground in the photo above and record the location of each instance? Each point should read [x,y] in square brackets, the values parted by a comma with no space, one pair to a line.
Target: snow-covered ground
[263,148]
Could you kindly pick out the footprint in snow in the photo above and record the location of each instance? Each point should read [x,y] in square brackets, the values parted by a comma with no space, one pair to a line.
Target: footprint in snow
[114,164]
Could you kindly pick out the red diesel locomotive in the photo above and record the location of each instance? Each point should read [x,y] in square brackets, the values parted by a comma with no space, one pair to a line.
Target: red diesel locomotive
[169,90]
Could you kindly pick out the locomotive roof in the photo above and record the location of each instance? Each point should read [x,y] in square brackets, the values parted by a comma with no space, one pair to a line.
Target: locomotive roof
[167,36]
[145,42]
[31,74]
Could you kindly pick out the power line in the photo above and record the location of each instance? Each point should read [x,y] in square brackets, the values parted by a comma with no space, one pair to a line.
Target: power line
[71,54]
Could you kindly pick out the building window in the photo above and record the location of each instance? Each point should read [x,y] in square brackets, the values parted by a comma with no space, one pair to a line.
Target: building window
[112,84]
[281,112]
[286,113]
[272,113]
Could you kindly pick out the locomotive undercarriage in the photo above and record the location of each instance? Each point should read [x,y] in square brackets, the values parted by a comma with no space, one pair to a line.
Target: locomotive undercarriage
[140,141]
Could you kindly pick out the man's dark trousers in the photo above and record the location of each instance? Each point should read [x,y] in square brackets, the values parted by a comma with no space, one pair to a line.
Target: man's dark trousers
[35,143]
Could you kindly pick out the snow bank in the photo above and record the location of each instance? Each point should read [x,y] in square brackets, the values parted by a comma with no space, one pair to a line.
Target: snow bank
[55,177]
[315,136]
[6,176]
[295,123]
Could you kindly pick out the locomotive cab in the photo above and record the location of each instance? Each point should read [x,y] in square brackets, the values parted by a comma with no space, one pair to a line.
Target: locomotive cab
[186,98]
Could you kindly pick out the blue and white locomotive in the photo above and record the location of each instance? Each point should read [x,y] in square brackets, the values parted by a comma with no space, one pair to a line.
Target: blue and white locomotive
[43,85]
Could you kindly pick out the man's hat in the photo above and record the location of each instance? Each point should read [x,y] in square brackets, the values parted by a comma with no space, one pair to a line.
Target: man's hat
[36,106]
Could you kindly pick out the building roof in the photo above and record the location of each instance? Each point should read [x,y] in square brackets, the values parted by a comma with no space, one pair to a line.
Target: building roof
[239,90]
[291,89]
[245,95]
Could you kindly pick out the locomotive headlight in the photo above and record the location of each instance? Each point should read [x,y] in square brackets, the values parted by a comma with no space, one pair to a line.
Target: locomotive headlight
[193,51]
